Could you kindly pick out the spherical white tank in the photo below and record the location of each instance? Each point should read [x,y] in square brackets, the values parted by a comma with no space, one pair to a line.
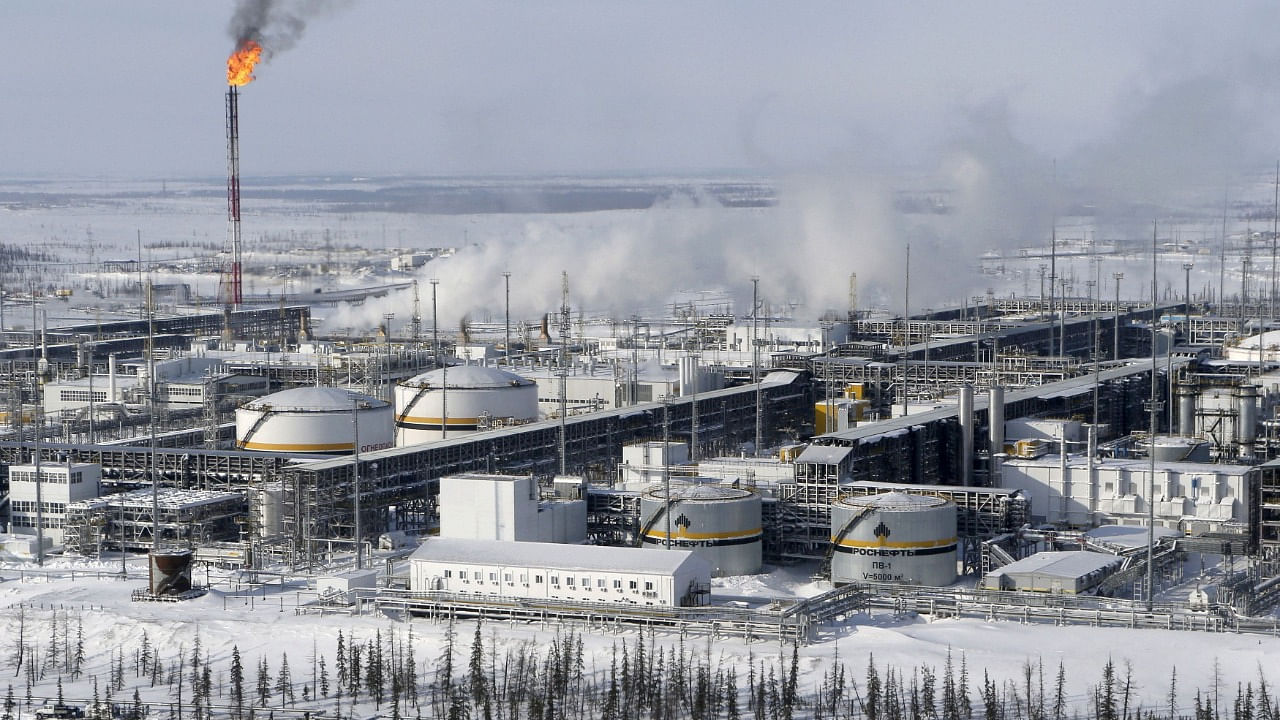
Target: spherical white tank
[720,524]
[475,397]
[893,537]
[314,420]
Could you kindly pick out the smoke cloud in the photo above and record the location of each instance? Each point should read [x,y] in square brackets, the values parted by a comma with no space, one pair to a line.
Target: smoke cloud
[277,25]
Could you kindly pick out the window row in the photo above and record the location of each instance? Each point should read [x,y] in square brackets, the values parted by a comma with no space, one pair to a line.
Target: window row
[571,581]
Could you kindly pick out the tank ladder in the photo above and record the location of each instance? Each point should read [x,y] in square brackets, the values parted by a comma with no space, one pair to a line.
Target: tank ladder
[824,570]
[257,425]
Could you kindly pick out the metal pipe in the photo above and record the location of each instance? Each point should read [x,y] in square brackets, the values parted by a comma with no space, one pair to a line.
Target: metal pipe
[233,191]
[966,434]
[1186,409]
[1115,352]
[1246,419]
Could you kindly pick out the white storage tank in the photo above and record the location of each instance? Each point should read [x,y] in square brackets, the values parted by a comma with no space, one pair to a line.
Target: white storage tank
[314,420]
[268,499]
[476,397]
[720,524]
[893,537]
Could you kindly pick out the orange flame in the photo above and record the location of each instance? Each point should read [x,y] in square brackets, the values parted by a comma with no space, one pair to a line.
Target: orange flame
[240,64]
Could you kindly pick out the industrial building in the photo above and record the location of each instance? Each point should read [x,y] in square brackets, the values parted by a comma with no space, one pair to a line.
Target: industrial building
[547,571]
[1061,572]
[61,484]
[476,506]
[1081,492]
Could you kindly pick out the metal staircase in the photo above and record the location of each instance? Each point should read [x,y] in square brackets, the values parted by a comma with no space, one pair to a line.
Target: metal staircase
[257,425]
[824,570]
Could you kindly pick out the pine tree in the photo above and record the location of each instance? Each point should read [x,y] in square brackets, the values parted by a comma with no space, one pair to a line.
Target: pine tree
[731,695]
[237,682]
[264,683]
[9,704]
[324,678]
[341,659]
[78,660]
[871,706]
[475,669]
[284,681]
[1106,709]
[373,671]
[354,670]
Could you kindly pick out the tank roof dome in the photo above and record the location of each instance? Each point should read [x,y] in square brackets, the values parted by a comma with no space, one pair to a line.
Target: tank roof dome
[468,377]
[894,501]
[316,399]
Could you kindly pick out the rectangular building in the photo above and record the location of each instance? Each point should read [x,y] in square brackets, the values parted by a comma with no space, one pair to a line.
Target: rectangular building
[60,485]
[548,571]
[1193,497]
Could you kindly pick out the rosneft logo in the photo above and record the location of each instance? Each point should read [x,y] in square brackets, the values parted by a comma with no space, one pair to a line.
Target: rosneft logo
[683,521]
[882,531]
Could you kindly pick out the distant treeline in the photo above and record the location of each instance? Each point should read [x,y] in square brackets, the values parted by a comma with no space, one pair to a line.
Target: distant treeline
[492,679]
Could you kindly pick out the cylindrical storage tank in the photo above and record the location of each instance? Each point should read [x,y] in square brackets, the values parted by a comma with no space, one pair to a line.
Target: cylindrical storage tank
[170,571]
[720,524]
[315,420]
[474,397]
[1173,448]
[1247,418]
[893,537]
[1187,409]
[269,497]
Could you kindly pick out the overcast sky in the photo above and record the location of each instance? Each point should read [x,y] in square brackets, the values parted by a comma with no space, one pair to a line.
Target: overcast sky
[133,88]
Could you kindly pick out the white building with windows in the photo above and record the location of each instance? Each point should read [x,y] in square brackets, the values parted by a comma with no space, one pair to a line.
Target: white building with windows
[549,571]
[60,485]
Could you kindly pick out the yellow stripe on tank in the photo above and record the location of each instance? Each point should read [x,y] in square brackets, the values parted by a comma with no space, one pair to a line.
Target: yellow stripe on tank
[886,544]
[681,535]
[299,447]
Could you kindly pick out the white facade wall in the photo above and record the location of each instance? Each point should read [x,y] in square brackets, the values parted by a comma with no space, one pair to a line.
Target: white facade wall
[642,463]
[1188,496]
[488,507]
[61,484]
[557,576]
[507,508]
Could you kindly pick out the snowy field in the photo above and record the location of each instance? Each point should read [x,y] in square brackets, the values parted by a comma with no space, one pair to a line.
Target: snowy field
[268,628]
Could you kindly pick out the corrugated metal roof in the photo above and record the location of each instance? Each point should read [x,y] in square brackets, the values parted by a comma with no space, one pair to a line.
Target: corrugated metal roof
[1066,564]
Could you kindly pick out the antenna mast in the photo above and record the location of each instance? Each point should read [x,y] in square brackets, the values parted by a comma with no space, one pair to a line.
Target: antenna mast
[563,369]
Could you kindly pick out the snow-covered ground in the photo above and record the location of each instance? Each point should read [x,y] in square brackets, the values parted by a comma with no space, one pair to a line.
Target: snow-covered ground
[267,626]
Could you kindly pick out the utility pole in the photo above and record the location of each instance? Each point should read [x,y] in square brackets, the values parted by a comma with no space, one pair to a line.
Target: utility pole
[755,357]
[506,321]
[151,392]
[1275,228]
[666,466]
[35,370]
[1186,327]
[444,368]
[1053,278]
[906,330]
[563,370]
[1115,352]
[1154,410]
[355,471]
